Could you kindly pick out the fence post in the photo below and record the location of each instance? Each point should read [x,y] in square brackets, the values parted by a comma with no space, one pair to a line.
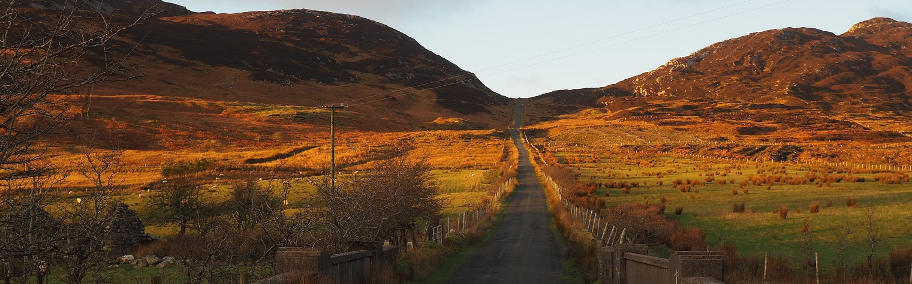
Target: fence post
[621,239]
[817,267]
[611,235]
[765,261]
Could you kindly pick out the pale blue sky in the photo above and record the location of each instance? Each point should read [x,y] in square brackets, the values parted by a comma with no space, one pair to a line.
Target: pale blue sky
[523,48]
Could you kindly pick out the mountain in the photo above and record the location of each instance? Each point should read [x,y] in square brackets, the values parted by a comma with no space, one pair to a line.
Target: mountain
[263,73]
[794,78]
[120,7]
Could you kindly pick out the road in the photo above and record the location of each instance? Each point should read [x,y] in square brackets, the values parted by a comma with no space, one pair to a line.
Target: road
[522,248]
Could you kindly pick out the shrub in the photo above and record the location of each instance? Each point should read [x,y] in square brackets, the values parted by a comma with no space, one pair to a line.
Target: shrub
[851,202]
[687,239]
[814,208]
[738,208]
[783,212]
[891,178]
[679,210]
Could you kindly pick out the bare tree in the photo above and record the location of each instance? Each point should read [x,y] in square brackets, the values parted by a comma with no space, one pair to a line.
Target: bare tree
[42,52]
[45,52]
[843,236]
[28,233]
[101,168]
[872,237]
[85,225]
[180,200]
[372,205]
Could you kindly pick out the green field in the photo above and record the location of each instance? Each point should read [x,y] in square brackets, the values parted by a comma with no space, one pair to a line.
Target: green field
[759,230]
[460,190]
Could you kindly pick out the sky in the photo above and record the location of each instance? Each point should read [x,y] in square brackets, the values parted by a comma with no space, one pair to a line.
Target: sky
[524,48]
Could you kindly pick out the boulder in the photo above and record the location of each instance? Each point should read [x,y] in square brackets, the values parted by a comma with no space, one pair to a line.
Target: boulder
[166,261]
[152,260]
[140,263]
[126,259]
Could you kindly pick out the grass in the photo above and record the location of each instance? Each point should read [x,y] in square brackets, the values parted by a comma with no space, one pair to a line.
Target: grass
[759,229]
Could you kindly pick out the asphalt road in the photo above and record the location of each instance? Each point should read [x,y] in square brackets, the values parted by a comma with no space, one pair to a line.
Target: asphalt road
[522,247]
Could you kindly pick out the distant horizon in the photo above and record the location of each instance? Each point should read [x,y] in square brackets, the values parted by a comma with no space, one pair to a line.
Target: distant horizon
[535,47]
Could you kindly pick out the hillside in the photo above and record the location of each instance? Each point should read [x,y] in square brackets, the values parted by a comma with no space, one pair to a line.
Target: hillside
[823,86]
[263,73]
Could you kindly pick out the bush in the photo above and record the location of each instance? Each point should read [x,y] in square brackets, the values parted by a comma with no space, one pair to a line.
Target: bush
[687,239]
[892,178]
[814,208]
[738,208]
[851,202]
[783,212]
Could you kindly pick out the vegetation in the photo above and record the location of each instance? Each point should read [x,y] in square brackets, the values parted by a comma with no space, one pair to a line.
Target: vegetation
[755,207]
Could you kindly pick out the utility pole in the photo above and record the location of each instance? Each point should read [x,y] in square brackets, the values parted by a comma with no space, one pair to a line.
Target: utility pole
[332,140]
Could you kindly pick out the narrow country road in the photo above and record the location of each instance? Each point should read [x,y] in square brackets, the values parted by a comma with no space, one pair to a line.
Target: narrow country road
[522,247]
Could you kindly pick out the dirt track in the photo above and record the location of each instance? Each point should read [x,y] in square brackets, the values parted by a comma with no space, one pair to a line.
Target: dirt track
[522,248]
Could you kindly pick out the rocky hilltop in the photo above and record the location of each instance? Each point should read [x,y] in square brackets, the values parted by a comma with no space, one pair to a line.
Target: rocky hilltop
[861,78]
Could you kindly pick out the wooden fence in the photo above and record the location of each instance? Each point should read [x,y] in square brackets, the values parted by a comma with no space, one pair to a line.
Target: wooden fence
[621,261]
[309,265]
[622,264]
[467,220]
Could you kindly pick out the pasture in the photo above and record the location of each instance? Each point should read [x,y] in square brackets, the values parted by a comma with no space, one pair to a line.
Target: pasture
[464,164]
[709,192]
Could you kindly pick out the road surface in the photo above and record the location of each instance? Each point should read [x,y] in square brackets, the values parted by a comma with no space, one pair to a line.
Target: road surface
[522,247]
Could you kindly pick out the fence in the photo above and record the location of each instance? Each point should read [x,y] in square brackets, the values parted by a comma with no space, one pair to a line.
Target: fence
[467,220]
[621,261]
[801,163]
[622,264]
[308,265]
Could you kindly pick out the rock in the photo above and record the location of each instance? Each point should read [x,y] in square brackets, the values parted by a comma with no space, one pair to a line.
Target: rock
[126,259]
[166,261]
[152,260]
[140,263]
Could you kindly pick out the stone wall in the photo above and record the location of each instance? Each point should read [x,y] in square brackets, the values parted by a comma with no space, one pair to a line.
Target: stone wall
[126,230]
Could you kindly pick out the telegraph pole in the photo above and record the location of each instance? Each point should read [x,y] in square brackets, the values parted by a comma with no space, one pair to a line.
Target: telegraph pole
[332,140]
